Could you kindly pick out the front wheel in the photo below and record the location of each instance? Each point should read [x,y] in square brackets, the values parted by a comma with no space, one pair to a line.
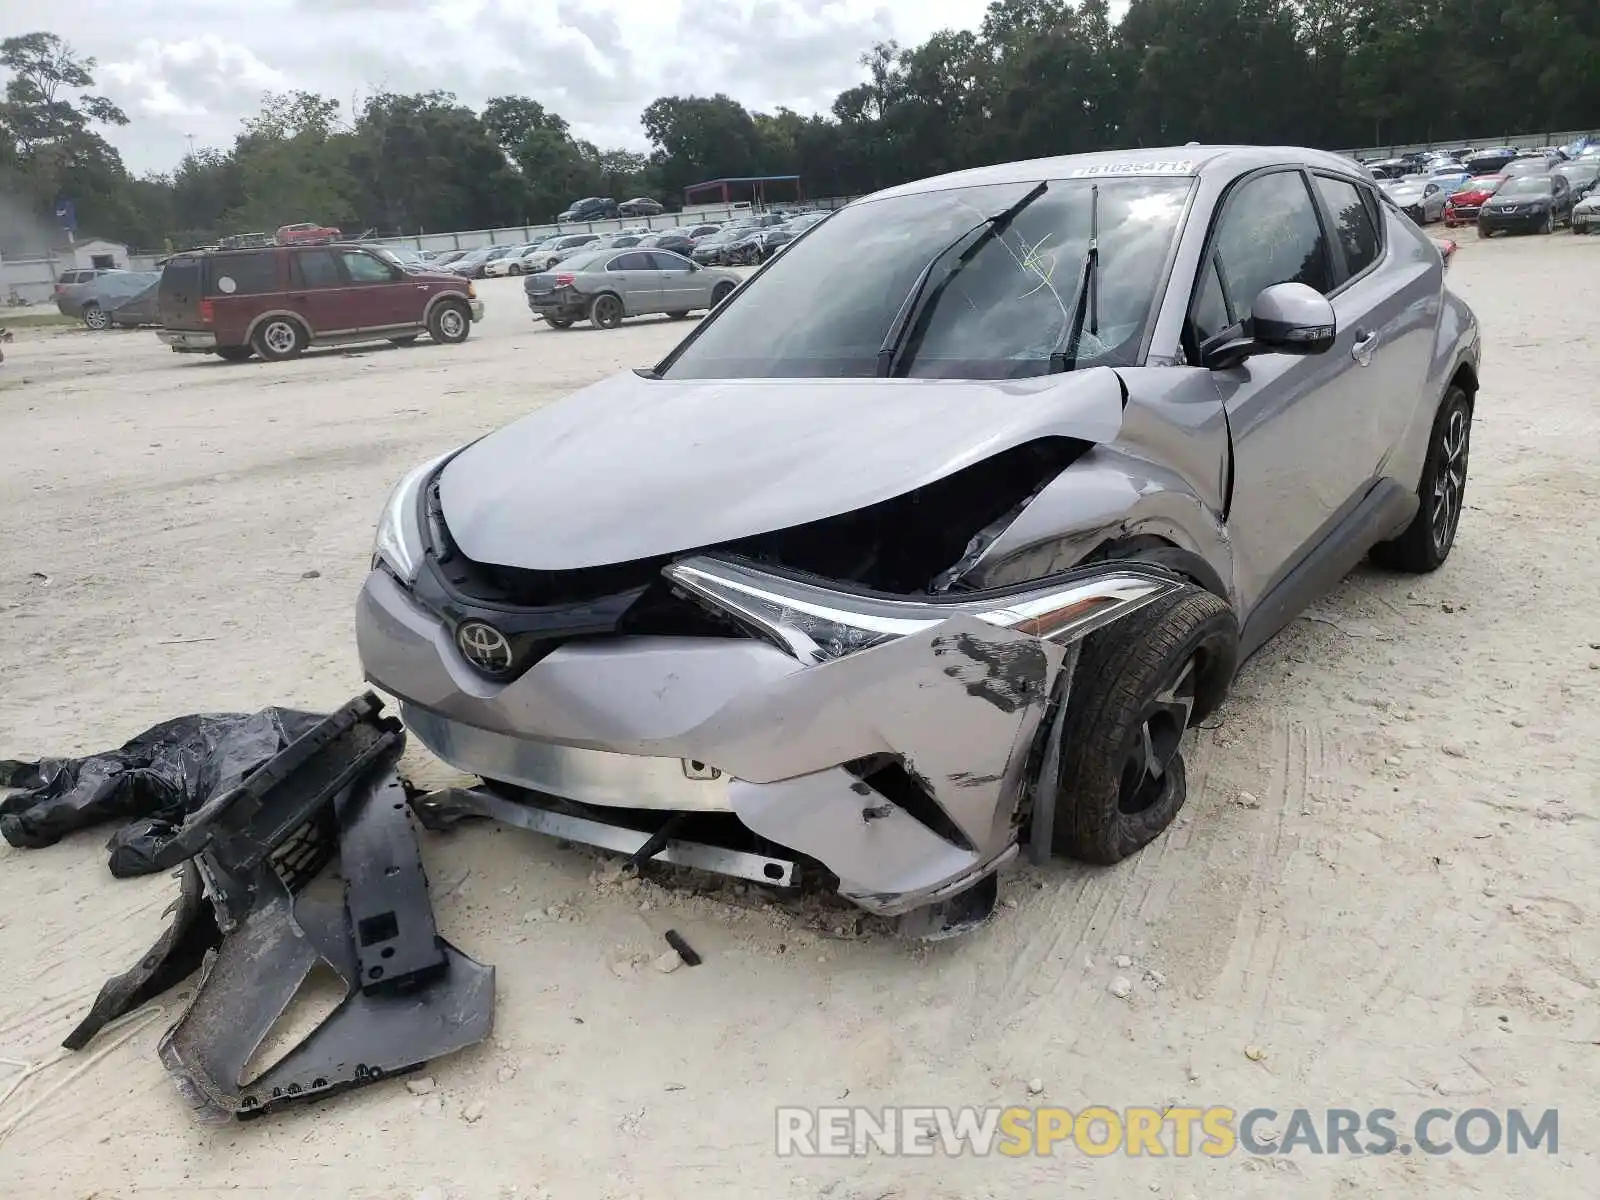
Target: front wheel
[516,269]
[1138,687]
[1549,225]
[721,293]
[559,322]
[449,323]
[96,318]
[605,312]
[234,354]
[678,314]
[1426,542]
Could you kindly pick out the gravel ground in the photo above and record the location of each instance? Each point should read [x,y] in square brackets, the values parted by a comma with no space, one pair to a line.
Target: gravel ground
[1380,886]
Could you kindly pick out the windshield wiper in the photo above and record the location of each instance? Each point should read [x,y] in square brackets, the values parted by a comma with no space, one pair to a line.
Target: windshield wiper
[1086,301]
[915,310]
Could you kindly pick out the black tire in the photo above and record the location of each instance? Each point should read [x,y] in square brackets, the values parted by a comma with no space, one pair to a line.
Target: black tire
[1441,493]
[234,354]
[605,311]
[449,323]
[678,314]
[559,322]
[96,318]
[409,339]
[720,293]
[278,338]
[514,269]
[1485,233]
[1549,225]
[1139,684]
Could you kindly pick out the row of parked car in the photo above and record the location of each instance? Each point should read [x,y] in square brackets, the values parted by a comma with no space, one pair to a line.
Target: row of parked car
[1502,190]
[742,241]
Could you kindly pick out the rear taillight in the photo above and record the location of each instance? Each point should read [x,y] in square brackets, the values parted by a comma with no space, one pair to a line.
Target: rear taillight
[566,280]
[207,312]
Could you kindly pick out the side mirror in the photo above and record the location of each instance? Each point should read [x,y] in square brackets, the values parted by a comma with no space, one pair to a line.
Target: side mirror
[1286,318]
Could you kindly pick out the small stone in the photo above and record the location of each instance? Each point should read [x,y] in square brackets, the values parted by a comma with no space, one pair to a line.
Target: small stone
[420,1087]
[644,906]
[506,1073]
[1448,607]
[311,575]
[553,910]
[1454,749]
[1518,723]
[1121,987]
[1156,978]
[473,1113]
[1391,761]
[1254,1053]
[1035,1086]
[1194,1076]
[1123,961]
[1248,800]
[622,969]
[667,962]
[1010,902]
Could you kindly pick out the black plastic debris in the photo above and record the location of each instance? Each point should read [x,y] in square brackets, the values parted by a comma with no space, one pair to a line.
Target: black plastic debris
[155,781]
[410,996]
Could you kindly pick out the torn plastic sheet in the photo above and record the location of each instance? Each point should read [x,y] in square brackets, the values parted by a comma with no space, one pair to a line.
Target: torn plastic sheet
[158,779]
[245,922]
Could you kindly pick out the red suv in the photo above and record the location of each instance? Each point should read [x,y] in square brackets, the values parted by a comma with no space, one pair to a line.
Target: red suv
[277,300]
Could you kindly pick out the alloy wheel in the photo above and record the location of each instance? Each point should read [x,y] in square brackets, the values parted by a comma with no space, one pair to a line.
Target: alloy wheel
[279,337]
[1146,773]
[1450,482]
[451,322]
[96,318]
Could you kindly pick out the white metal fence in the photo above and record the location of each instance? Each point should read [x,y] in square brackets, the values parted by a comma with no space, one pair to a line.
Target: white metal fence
[1519,141]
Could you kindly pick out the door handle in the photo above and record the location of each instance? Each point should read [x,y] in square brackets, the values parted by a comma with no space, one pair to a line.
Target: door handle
[1364,345]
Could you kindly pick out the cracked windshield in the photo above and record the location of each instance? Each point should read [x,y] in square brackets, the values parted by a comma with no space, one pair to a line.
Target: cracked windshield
[999,302]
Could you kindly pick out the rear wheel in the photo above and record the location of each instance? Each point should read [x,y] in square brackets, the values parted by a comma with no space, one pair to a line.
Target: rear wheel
[96,318]
[279,338]
[1138,686]
[1426,542]
[234,353]
[720,294]
[605,312]
[516,269]
[449,323]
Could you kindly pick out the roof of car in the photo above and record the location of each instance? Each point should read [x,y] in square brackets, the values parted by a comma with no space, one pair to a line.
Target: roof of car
[1164,161]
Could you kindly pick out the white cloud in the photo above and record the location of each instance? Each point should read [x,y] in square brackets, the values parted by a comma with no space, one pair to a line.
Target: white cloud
[197,68]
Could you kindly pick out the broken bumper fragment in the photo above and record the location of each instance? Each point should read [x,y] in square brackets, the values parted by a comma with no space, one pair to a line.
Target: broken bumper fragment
[888,740]
[410,995]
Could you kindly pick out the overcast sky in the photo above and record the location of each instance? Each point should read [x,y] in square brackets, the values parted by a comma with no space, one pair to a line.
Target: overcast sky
[182,67]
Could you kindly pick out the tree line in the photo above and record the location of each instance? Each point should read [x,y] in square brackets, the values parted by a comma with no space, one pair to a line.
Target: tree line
[1038,77]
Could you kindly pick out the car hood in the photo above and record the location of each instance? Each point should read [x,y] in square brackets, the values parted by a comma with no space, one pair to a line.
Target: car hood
[633,468]
[1502,201]
[1406,193]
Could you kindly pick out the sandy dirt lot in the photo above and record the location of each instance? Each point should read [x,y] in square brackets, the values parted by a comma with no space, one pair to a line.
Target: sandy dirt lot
[1384,882]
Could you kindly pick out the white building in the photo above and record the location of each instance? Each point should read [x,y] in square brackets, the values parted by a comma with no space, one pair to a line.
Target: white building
[99,254]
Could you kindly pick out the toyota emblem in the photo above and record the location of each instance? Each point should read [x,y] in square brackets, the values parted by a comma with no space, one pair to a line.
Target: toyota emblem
[484,646]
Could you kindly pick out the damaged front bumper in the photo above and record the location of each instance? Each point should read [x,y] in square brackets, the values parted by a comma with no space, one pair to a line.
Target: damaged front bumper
[889,740]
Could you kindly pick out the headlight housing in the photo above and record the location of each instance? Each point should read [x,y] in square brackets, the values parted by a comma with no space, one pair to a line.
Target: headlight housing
[398,544]
[817,624]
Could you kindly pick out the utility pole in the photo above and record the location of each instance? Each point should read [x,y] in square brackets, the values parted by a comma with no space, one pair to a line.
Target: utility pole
[190,136]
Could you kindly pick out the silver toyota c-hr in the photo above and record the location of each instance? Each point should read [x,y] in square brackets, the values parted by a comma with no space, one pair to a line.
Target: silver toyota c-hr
[928,544]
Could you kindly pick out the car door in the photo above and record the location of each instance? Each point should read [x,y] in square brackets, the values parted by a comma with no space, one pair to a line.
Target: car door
[682,284]
[1561,199]
[1386,302]
[1296,468]
[636,280]
[382,295]
[320,293]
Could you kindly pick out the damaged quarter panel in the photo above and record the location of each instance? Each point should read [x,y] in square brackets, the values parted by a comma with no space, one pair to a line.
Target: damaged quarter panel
[1164,476]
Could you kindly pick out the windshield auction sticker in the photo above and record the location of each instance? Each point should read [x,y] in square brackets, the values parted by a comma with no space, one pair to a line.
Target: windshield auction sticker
[1172,167]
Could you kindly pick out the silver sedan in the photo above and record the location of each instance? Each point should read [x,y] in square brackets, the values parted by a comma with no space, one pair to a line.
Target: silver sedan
[604,286]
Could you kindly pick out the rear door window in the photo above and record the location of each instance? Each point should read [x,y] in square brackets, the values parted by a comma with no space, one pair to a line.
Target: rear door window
[668,262]
[316,269]
[242,274]
[630,262]
[1353,227]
